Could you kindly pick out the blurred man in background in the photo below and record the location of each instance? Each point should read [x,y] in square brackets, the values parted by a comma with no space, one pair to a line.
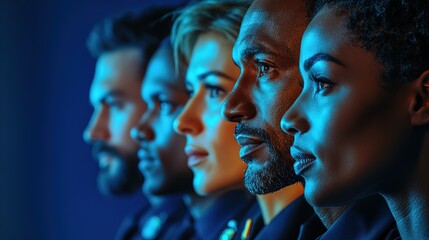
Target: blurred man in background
[122,46]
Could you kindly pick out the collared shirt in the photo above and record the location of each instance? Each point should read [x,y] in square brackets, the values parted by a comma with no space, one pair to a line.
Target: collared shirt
[286,224]
[250,223]
[164,221]
[229,206]
[368,219]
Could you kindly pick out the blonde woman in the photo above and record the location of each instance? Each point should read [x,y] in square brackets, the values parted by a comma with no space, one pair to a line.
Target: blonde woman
[203,36]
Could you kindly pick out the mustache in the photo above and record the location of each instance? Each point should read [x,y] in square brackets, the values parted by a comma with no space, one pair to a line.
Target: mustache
[242,128]
[101,147]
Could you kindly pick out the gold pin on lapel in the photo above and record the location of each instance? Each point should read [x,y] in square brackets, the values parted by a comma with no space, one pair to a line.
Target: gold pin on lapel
[247,228]
[229,231]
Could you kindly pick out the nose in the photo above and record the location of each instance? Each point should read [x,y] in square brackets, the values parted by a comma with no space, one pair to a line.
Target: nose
[293,121]
[189,120]
[97,128]
[238,105]
[142,132]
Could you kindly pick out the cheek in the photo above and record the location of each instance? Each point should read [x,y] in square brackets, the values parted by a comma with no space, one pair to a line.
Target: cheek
[225,161]
[280,98]
[170,145]
[220,138]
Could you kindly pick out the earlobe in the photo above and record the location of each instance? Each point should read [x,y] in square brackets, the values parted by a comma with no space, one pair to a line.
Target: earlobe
[420,105]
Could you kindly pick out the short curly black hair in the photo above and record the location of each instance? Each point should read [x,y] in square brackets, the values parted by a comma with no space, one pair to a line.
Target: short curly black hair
[395,31]
[144,29]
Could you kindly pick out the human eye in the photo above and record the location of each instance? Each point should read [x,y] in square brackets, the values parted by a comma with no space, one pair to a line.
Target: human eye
[215,91]
[114,103]
[165,105]
[323,83]
[189,90]
[263,68]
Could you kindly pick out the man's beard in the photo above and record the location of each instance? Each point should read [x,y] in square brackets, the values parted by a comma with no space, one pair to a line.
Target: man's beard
[274,173]
[122,176]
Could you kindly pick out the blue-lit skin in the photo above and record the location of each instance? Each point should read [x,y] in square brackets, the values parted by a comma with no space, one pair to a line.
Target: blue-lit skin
[356,131]
[114,94]
[162,159]
[213,153]
[267,52]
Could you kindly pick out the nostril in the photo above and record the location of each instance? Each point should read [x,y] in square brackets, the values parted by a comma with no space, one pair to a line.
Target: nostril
[236,117]
[134,133]
[288,127]
[239,112]
[291,131]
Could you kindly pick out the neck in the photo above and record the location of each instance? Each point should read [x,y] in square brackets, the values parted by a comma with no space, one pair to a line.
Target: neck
[329,215]
[198,205]
[273,203]
[154,200]
[409,205]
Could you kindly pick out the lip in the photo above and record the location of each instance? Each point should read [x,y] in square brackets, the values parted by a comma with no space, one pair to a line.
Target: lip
[249,144]
[144,155]
[104,160]
[303,160]
[196,155]
[146,162]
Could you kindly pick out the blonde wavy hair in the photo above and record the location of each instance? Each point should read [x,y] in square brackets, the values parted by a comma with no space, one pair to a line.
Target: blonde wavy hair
[220,16]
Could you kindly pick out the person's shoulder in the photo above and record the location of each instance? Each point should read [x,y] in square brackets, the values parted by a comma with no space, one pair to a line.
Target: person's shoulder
[245,226]
[286,224]
[129,226]
[226,215]
[368,218]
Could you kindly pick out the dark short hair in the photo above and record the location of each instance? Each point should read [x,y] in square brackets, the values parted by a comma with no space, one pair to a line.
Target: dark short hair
[395,31]
[144,29]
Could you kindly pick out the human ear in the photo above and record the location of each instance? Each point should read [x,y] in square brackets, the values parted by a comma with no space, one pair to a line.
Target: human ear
[419,108]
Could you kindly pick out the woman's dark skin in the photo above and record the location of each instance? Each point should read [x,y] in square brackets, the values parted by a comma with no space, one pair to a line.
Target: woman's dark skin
[353,135]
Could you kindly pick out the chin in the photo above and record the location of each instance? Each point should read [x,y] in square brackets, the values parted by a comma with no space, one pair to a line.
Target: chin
[319,196]
[200,189]
[154,188]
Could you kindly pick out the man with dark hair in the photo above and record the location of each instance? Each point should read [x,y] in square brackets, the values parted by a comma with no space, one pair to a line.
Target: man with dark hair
[267,52]
[123,46]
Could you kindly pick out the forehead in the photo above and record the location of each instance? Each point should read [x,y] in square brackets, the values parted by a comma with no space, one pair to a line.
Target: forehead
[274,24]
[119,65]
[212,51]
[120,70]
[327,33]
[160,71]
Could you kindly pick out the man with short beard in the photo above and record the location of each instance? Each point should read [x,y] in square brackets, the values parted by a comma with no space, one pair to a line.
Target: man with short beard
[267,52]
[122,46]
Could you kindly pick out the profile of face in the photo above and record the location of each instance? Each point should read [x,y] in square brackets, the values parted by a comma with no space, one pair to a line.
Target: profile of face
[161,154]
[348,126]
[267,52]
[117,106]
[211,148]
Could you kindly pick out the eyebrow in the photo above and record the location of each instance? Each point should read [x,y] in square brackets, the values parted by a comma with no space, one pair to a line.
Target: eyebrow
[204,75]
[257,49]
[321,57]
[113,94]
[248,52]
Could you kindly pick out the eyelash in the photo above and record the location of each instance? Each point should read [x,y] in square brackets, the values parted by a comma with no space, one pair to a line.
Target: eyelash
[261,65]
[214,91]
[166,106]
[114,104]
[322,83]
[190,92]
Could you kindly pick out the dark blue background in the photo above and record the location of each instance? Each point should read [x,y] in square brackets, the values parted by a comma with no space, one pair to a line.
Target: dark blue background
[47,176]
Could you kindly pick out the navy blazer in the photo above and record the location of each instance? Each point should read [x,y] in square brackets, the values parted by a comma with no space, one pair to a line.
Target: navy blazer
[366,219]
[287,223]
